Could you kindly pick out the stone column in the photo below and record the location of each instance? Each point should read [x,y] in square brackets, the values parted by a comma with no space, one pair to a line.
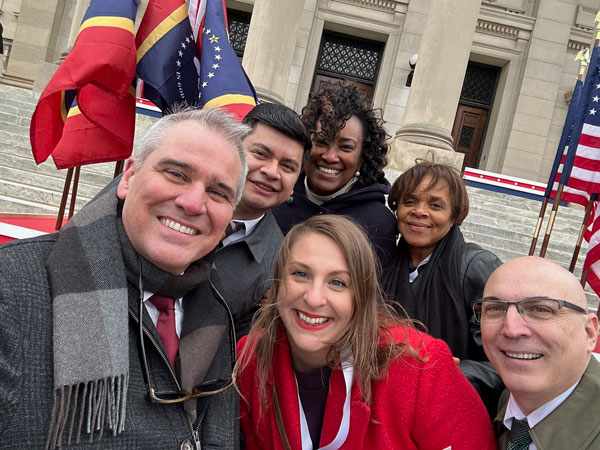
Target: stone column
[436,86]
[30,44]
[270,46]
[80,8]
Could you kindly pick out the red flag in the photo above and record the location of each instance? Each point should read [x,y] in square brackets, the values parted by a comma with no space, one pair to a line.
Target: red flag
[569,194]
[97,76]
[592,258]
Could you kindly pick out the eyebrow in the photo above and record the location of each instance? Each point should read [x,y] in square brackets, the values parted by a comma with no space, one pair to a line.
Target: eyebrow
[348,139]
[335,272]
[170,162]
[270,152]
[535,297]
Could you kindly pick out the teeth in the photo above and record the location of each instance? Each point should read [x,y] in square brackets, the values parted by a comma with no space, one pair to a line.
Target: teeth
[329,171]
[178,227]
[524,355]
[311,320]
[266,188]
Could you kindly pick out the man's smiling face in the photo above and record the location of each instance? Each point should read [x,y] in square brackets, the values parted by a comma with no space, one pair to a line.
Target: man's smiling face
[178,203]
[538,360]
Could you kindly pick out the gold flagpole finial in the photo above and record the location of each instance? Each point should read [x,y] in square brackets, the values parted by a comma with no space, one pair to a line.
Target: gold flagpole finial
[597,21]
[583,56]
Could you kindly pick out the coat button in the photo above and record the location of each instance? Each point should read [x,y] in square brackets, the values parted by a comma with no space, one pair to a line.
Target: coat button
[187,445]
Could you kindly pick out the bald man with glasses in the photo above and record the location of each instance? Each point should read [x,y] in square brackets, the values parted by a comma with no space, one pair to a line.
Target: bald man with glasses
[539,334]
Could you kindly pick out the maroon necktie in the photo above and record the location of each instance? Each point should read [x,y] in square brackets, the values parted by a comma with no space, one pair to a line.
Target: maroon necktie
[165,325]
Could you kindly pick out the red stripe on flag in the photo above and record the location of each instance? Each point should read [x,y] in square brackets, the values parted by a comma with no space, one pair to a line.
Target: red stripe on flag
[589,140]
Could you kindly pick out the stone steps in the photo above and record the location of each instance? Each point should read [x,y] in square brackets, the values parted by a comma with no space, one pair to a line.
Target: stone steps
[505,224]
[24,186]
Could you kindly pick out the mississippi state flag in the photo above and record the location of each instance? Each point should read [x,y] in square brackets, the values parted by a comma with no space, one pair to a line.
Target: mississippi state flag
[223,82]
[167,58]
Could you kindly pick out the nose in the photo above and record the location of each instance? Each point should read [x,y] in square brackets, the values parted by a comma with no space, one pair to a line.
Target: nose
[331,155]
[313,296]
[419,210]
[192,200]
[271,169]
[514,324]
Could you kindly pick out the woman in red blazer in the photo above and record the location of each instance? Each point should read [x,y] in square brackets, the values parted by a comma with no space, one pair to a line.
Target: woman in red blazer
[326,365]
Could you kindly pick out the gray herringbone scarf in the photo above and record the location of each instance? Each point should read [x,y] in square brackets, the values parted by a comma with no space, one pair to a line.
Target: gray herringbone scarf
[89,291]
[88,268]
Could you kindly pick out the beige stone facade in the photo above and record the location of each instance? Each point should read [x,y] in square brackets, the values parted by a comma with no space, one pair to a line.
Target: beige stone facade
[532,43]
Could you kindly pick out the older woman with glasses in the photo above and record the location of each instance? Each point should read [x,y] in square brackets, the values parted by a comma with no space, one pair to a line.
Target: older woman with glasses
[327,365]
[434,275]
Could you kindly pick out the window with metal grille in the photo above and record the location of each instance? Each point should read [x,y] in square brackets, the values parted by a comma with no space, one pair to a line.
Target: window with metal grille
[347,57]
[479,86]
[239,24]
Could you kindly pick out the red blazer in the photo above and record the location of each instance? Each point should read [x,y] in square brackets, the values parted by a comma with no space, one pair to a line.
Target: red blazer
[428,405]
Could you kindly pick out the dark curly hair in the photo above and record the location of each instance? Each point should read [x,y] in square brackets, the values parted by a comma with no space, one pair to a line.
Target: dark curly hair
[332,106]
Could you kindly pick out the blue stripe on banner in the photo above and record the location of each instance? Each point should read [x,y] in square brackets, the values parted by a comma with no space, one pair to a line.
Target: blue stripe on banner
[115,8]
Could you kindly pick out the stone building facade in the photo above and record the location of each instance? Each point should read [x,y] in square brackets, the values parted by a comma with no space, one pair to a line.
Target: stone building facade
[493,77]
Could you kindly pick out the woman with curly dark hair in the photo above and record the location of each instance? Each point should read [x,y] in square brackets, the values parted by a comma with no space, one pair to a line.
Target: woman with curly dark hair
[344,172]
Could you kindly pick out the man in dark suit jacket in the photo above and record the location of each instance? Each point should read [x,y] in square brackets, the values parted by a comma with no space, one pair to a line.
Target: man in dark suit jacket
[542,348]
[275,149]
[86,355]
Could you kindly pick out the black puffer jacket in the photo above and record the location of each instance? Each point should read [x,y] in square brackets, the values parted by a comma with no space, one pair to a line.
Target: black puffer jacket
[364,204]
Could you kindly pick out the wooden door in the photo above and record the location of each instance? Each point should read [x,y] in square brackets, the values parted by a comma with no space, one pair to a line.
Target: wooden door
[468,132]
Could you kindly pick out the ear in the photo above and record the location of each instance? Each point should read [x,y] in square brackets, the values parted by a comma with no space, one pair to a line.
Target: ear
[126,179]
[591,331]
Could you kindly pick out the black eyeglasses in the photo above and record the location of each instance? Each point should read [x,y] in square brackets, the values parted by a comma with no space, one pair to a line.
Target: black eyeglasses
[533,309]
[206,388]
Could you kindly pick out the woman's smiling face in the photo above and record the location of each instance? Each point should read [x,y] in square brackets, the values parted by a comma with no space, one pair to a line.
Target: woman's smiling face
[424,217]
[331,165]
[316,300]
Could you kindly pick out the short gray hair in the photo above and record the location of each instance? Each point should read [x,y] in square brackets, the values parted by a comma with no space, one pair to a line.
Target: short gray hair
[214,119]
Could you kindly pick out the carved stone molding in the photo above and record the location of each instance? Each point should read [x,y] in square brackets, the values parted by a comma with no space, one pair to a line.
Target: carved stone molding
[579,38]
[497,29]
[512,6]
[584,18]
[503,30]
[389,6]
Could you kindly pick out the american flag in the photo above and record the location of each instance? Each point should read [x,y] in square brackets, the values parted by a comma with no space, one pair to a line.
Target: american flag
[563,161]
[585,175]
[592,258]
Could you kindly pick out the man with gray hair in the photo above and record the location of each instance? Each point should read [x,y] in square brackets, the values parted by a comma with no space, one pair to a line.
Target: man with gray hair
[539,335]
[113,331]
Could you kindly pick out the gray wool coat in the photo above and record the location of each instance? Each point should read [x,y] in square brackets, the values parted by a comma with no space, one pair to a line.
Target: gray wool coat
[26,368]
[246,267]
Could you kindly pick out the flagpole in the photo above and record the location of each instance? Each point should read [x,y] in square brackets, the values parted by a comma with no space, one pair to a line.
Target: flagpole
[538,226]
[584,275]
[584,225]
[583,62]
